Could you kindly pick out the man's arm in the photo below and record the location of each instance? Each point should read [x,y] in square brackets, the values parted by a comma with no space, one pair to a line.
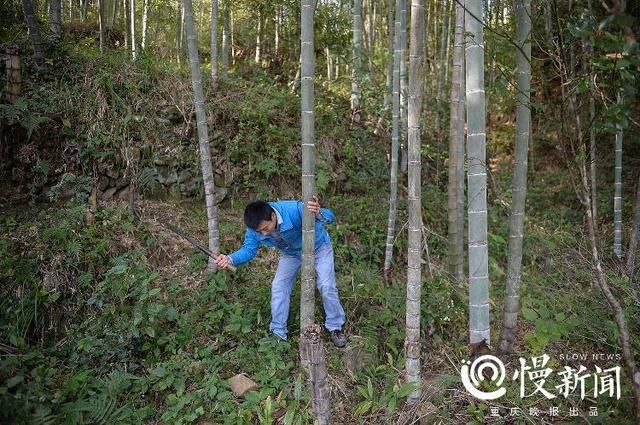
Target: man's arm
[247,251]
[326,216]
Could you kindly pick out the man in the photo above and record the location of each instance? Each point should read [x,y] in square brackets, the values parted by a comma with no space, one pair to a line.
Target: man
[279,225]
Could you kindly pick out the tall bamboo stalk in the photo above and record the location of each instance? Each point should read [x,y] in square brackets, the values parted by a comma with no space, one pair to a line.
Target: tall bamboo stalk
[477,177]
[132,15]
[633,240]
[403,85]
[414,205]
[34,30]
[214,44]
[226,37]
[441,72]
[456,228]
[258,38]
[617,198]
[203,136]
[101,24]
[395,121]
[519,188]
[307,60]
[55,17]
[311,351]
[390,32]
[592,131]
[357,60]
[145,15]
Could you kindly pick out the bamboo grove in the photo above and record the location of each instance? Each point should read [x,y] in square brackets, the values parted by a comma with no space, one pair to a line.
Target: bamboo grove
[424,75]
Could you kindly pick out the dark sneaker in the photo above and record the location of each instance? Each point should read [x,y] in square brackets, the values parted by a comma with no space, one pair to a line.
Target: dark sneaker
[338,338]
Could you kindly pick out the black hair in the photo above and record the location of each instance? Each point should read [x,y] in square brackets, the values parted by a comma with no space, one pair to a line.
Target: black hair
[256,212]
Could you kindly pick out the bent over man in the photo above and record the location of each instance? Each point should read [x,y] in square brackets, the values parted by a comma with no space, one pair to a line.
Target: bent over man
[279,225]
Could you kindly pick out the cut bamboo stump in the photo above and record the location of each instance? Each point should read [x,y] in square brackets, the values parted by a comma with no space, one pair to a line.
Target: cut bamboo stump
[312,353]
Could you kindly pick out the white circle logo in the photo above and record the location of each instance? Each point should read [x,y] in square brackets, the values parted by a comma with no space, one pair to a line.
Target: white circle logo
[472,377]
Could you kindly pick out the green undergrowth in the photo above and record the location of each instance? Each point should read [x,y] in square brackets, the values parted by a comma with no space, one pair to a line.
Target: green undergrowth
[97,332]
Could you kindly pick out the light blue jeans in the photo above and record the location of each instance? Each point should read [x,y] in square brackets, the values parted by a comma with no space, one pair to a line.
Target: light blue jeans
[282,285]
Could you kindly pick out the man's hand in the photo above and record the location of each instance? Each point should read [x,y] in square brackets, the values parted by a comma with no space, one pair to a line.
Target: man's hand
[222,261]
[314,206]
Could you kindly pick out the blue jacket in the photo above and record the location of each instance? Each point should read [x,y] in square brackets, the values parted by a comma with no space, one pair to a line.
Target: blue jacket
[290,232]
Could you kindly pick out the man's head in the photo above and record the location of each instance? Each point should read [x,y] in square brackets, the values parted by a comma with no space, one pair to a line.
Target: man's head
[260,217]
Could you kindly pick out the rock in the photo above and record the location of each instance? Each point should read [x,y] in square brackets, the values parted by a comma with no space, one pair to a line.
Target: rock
[240,384]
[103,183]
[113,173]
[219,194]
[123,195]
[354,358]
[108,194]
[121,182]
[427,413]
[167,176]
[172,177]
[218,180]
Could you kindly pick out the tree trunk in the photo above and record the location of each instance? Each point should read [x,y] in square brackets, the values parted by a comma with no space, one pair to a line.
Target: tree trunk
[592,129]
[233,51]
[519,189]
[258,37]
[327,54]
[441,77]
[633,241]
[308,164]
[601,279]
[357,61]
[372,37]
[114,13]
[434,51]
[311,347]
[125,16]
[403,85]
[101,24]
[132,15]
[224,63]
[617,198]
[276,41]
[34,30]
[414,206]
[312,355]
[55,17]
[456,228]
[203,136]
[477,177]
[179,21]
[83,10]
[460,157]
[214,44]
[427,62]
[145,14]
[368,35]
[395,123]
[447,55]
[390,30]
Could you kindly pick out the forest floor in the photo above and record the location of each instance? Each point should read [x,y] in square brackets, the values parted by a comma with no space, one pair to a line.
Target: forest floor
[108,319]
[160,338]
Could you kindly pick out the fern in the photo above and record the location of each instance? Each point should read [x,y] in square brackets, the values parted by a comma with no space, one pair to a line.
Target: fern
[101,409]
[43,416]
[148,179]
